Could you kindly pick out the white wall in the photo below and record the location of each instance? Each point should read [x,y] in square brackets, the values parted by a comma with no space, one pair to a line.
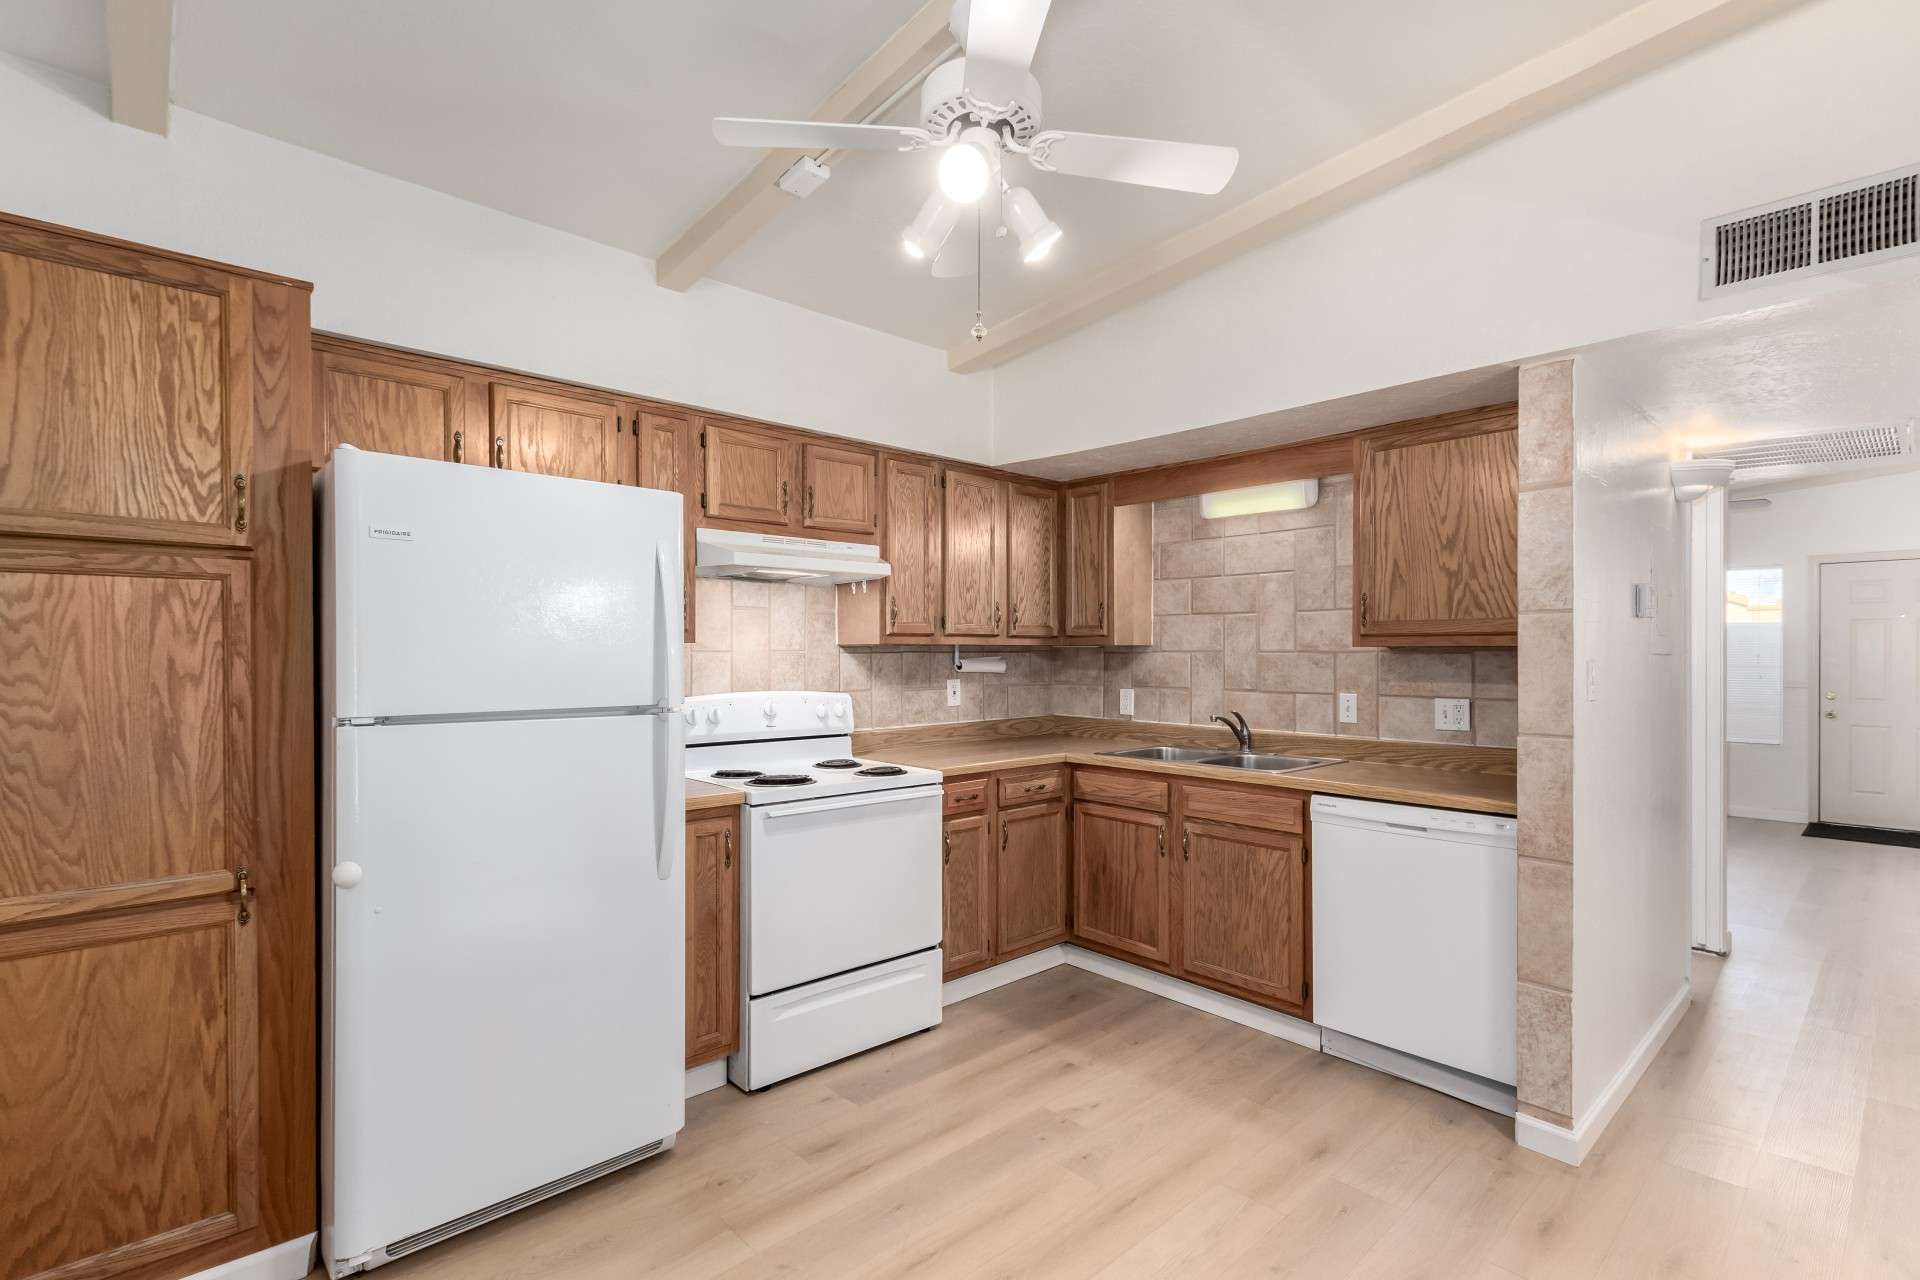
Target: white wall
[1630,925]
[395,262]
[1871,515]
[1582,228]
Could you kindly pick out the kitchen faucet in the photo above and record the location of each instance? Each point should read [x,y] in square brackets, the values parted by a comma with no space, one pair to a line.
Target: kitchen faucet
[1240,730]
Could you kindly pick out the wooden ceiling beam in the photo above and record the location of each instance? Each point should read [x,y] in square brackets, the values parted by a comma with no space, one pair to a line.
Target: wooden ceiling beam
[1640,39]
[140,63]
[755,201]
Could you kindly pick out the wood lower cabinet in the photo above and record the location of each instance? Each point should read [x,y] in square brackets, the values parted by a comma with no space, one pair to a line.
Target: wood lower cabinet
[748,473]
[842,488]
[1085,546]
[713,936]
[1436,522]
[560,435]
[390,405]
[1243,909]
[966,887]
[1121,881]
[1033,586]
[974,554]
[1032,880]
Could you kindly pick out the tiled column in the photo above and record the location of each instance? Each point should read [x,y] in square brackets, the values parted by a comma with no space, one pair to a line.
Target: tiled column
[1545,994]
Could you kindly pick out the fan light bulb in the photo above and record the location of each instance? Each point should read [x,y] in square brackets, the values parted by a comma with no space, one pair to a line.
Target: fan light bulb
[930,228]
[1038,233]
[968,164]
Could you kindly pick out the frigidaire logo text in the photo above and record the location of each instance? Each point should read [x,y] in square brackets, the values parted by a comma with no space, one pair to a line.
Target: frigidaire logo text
[396,535]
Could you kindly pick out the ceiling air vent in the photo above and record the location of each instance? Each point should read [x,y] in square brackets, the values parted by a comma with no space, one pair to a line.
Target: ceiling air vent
[1822,450]
[1845,226]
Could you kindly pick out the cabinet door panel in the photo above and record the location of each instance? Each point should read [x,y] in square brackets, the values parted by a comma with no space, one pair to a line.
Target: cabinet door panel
[555,435]
[1120,880]
[1085,549]
[1436,534]
[1031,884]
[713,939]
[911,545]
[666,462]
[1033,549]
[125,400]
[391,407]
[749,474]
[968,933]
[973,564]
[1244,909]
[840,488]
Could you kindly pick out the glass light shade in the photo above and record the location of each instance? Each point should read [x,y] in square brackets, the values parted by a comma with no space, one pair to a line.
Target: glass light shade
[1288,495]
[930,228]
[968,164]
[1038,234]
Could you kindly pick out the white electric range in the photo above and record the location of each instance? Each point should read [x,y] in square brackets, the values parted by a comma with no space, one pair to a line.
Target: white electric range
[840,906]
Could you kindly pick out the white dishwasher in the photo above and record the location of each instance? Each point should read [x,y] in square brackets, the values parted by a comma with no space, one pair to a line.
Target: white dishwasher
[1413,944]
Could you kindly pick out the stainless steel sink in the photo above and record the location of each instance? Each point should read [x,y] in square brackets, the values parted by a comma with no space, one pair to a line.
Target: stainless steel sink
[1166,755]
[1267,764]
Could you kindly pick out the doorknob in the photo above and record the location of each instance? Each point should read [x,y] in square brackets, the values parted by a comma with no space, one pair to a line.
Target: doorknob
[1831,695]
[1831,715]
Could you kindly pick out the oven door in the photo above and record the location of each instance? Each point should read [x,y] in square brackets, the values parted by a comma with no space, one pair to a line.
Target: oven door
[837,884]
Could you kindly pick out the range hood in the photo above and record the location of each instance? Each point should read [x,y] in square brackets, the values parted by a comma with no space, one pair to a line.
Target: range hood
[768,557]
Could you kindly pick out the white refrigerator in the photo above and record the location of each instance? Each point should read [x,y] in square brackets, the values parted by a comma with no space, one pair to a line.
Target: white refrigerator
[502,931]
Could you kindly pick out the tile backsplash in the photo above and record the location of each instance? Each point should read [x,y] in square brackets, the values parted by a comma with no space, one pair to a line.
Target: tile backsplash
[1251,614]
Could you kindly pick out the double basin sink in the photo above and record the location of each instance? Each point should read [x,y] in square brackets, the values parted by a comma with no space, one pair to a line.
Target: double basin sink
[1251,762]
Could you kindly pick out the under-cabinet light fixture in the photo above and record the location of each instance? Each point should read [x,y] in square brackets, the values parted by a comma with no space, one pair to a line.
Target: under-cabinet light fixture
[1288,495]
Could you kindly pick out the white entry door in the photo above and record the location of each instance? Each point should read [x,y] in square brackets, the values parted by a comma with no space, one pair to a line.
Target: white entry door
[1869,694]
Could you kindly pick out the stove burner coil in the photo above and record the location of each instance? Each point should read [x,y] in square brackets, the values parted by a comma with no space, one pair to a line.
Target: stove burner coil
[881,771]
[780,780]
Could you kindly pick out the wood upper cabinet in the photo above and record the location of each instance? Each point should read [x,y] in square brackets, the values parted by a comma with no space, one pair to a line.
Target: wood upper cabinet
[1085,547]
[1243,909]
[1033,551]
[974,559]
[1121,882]
[391,406]
[1032,888]
[911,544]
[713,937]
[748,473]
[126,392]
[966,885]
[561,435]
[1436,533]
[666,450]
[129,978]
[841,488]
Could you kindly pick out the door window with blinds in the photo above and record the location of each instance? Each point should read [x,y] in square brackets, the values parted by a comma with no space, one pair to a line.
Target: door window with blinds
[1756,656]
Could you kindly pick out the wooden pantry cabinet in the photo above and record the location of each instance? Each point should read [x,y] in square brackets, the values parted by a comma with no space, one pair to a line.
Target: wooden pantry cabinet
[156,699]
[713,936]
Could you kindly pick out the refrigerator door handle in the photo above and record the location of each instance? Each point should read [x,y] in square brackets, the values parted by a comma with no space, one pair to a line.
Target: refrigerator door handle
[666,639]
[669,814]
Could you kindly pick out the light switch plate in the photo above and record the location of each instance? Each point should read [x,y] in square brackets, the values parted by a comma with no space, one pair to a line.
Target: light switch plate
[1452,715]
[953,693]
[1126,702]
[1349,708]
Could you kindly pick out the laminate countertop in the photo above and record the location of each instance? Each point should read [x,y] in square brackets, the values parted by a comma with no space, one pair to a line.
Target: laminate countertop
[702,796]
[1363,779]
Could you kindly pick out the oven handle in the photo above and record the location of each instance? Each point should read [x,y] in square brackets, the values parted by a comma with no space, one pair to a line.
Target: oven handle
[898,796]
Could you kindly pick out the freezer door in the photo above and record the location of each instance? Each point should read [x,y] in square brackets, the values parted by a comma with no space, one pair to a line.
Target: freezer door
[454,589]
[506,964]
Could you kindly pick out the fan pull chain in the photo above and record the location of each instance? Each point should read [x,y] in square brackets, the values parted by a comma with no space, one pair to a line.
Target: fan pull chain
[979,329]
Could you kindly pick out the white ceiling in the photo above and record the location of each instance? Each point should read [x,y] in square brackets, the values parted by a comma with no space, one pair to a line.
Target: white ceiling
[593,115]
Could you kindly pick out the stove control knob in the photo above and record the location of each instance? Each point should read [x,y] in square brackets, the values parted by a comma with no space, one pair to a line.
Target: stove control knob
[770,711]
[713,716]
[693,717]
[821,711]
[839,711]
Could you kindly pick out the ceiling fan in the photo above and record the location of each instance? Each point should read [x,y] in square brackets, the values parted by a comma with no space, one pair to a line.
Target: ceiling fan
[979,109]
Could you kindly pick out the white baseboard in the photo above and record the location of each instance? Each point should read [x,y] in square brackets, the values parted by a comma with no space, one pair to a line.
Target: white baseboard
[1205,999]
[985,980]
[1570,1146]
[1766,815]
[288,1260]
[706,1077]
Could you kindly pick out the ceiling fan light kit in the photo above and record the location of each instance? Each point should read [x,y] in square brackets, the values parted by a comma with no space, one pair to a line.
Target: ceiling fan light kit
[978,109]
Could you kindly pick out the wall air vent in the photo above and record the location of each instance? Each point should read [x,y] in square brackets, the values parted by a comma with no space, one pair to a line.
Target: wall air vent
[1841,227]
[1835,450]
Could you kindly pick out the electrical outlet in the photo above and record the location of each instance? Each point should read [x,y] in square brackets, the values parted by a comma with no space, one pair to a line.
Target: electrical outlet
[1452,715]
[953,693]
[1126,702]
[1349,708]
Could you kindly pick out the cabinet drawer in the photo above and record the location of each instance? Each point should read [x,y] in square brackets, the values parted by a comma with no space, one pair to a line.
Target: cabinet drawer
[1026,788]
[1267,808]
[1135,790]
[965,795]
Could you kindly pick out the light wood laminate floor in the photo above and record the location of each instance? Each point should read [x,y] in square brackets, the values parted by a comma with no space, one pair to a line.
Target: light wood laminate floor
[1070,1126]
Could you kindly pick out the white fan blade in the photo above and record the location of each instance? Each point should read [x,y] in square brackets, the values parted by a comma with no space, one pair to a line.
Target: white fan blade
[1000,38]
[959,258]
[1146,162]
[816,135]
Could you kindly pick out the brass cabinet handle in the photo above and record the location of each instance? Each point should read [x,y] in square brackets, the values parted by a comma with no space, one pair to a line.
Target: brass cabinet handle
[459,446]
[1186,849]
[240,504]
[1103,613]
[893,611]
[783,497]
[1163,841]
[726,859]
[1036,786]
[996,615]
[243,889]
[946,843]
[1003,835]
[500,451]
[1363,608]
[809,502]
[1013,616]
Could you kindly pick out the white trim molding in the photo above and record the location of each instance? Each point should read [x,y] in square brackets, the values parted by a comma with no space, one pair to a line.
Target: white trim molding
[706,1077]
[1767,815]
[1570,1146]
[289,1260]
[985,980]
